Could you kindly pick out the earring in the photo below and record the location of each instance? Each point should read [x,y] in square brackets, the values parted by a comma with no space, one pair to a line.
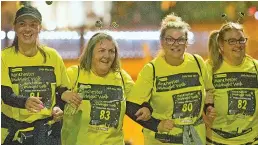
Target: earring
[98,24]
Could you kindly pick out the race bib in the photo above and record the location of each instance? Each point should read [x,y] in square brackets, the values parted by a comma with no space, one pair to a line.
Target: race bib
[187,105]
[241,102]
[105,103]
[105,113]
[36,81]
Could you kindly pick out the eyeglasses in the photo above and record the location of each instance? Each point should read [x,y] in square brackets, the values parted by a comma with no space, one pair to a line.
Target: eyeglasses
[171,41]
[233,41]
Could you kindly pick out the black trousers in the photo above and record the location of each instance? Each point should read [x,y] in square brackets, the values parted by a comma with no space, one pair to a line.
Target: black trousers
[43,138]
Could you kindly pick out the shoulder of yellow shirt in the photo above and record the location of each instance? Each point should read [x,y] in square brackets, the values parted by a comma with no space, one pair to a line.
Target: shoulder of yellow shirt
[7,51]
[73,70]
[73,67]
[250,58]
[123,72]
[50,51]
[10,50]
[199,58]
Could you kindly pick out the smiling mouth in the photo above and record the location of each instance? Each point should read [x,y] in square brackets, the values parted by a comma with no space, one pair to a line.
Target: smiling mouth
[175,49]
[238,50]
[104,62]
[27,35]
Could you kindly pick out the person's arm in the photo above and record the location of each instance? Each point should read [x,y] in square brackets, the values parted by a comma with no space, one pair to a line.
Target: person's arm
[63,83]
[7,95]
[209,98]
[138,96]
[128,84]
[59,102]
[11,99]
[132,108]
[141,91]
[209,111]
[256,65]
[71,95]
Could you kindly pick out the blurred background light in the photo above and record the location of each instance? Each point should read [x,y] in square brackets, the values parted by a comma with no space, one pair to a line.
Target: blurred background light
[2,35]
[251,10]
[50,26]
[10,34]
[256,15]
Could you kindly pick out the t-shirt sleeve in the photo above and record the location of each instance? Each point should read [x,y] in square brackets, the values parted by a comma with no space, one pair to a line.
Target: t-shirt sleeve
[206,75]
[256,64]
[209,75]
[64,81]
[7,95]
[5,74]
[128,82]
[72,73]
[141,91]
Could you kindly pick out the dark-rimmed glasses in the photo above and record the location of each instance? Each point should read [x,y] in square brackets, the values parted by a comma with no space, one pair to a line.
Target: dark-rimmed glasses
[233,41]
[171,41]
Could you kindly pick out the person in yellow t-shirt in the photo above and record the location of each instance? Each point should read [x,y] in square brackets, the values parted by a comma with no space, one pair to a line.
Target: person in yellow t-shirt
[234,76]
[33,79]
[103,87]
[175,84]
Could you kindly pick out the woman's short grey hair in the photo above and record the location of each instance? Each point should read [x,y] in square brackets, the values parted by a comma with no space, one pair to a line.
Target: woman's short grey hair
[87,54]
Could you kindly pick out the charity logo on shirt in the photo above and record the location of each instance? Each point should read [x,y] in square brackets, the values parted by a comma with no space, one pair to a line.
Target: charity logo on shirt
[235,80]
[177,81]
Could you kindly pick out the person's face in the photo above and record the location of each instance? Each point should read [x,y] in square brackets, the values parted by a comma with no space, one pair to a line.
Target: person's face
[174,43]
[233,45]
[27,29]
[103,56]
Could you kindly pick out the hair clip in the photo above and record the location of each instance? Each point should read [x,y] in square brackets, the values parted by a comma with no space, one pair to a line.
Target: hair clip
[49,2]
[225,17]
[114,25]
[241,15]
[99,25]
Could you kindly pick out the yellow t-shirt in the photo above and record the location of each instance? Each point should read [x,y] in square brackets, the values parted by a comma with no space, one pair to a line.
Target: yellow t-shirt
[236,91]
[30,76]
[178,93]
[100,116]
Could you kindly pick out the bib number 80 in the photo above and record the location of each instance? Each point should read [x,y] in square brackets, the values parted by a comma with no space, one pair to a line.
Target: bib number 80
[187,107]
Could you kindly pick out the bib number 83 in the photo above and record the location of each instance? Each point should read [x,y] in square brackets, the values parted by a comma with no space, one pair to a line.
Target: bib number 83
[104,114]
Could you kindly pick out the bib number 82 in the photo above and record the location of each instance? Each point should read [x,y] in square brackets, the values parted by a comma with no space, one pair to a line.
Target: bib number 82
[241,104]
